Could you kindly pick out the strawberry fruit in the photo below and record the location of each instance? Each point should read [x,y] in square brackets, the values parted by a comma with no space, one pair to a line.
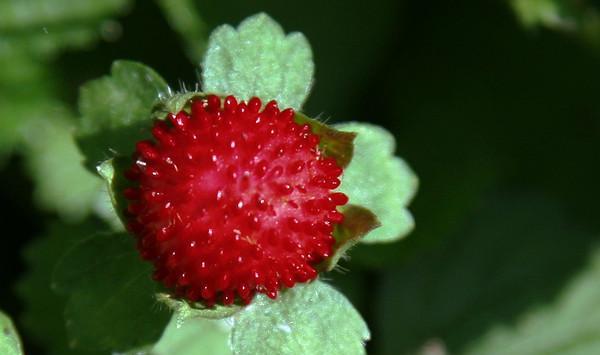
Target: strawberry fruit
[230,199]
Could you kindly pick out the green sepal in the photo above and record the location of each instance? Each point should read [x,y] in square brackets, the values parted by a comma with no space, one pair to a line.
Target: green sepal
[116,110]
[111,304]
[113,173]
[175,103]
[358,222]
[184,309]
[333,143]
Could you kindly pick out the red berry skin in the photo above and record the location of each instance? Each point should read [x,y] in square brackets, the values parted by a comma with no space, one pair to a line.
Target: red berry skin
[233,199]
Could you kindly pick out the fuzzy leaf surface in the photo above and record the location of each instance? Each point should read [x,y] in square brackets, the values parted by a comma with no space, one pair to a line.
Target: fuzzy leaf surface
[309,318]
[258,59]
[379,181]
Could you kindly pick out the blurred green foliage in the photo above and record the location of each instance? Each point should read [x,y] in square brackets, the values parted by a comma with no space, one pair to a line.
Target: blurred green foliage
[42,319]
[501,123]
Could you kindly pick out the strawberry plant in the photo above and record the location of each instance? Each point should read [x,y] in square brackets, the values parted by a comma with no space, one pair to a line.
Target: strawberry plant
[199,177]
[227,204]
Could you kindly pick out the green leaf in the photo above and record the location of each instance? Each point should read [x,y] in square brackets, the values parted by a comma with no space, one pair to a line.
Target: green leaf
[567,326]
[116,110]
[379,181]
[184,18]
[334,143]
[258,59]
[111,304]
[42,319]
[309,318]
[10,344]
[358,221]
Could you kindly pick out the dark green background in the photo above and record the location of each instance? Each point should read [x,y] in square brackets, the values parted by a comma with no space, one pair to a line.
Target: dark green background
[500,123]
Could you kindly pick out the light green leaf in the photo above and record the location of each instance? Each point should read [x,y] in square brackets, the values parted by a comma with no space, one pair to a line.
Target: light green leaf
[116,110]
[379,181]
[111,304]
[567,326]
[10,344]
[258,59]
[309,318]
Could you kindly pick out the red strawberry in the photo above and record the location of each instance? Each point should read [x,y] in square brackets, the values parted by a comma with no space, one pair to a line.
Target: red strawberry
[231,200]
